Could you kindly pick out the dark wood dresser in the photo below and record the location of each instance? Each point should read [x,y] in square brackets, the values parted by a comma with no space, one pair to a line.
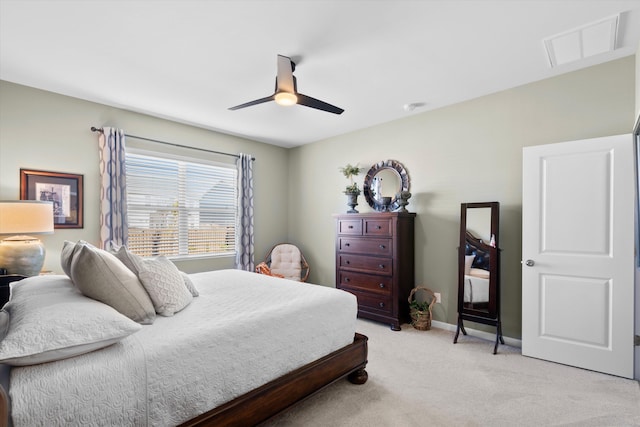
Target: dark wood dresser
[375,262]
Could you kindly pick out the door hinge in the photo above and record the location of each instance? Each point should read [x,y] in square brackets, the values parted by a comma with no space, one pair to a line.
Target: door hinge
[636,340]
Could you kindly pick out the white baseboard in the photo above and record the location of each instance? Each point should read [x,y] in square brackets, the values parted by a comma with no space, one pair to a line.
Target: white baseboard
[513,342]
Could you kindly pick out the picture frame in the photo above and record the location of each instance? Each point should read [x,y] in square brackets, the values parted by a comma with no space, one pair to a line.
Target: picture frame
[65,190]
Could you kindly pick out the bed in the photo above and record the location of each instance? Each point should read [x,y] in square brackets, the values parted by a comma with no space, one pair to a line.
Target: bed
[245,348]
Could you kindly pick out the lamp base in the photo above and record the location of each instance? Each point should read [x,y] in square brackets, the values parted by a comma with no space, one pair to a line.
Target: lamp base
[22,255]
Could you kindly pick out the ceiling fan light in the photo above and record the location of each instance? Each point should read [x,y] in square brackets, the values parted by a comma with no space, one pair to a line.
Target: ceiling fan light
[286,98]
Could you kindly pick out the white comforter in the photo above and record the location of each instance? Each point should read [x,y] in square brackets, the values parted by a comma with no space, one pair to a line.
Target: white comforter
[242,331]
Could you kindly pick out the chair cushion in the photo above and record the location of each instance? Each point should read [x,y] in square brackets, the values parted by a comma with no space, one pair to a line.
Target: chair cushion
[286,260]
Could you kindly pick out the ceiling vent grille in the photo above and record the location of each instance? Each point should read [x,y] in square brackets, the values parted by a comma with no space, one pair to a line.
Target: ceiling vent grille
[583,42]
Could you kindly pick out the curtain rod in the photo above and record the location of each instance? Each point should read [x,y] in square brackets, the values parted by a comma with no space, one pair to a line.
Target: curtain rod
[95,129]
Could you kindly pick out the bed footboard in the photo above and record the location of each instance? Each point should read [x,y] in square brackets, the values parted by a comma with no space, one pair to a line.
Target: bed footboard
[264,402]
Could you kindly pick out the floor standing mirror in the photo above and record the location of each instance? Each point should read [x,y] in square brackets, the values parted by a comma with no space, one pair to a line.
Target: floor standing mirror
[479,268]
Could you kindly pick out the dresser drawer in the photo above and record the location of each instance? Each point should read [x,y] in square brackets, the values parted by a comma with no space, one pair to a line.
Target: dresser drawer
[365,246]
[377,227]
[371,301]
[350,226]
[365,282]
[362,262]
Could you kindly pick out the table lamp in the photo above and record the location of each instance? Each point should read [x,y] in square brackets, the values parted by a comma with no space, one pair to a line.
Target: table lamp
[22,254]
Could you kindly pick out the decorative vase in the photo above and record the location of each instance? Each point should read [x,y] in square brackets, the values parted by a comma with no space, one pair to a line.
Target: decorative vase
[403,200]
[352,202]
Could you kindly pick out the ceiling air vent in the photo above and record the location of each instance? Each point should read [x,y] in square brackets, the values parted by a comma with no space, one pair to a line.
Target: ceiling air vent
[583,42]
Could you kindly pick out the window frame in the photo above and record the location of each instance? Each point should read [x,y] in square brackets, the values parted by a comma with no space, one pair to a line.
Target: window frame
[182,241]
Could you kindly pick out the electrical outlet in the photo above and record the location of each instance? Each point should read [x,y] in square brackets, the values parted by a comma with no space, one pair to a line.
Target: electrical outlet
[438,297]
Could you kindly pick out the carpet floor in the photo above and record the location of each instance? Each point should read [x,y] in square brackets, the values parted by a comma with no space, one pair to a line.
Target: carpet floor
[422,378]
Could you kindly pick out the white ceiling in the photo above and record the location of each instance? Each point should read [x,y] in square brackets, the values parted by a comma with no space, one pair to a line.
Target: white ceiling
[190,61]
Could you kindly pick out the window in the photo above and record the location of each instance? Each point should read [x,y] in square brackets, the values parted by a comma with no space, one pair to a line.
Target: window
[180,207]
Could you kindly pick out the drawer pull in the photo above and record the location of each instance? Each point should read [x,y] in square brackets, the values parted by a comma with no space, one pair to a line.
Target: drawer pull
[382,246]
[347,244]
[379,227]
[381,304]
[347,262]
[346,279]
[381,285]
[381,265]
[350,226]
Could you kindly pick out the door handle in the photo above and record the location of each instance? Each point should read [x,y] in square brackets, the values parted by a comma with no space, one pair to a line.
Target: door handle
[529,263]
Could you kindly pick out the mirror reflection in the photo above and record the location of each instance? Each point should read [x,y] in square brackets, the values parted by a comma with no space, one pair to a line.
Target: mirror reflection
[383,184]
[386,183]
[477,265]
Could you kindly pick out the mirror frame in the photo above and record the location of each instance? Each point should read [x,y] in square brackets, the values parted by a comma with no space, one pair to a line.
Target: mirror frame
[368,181]
[493,311]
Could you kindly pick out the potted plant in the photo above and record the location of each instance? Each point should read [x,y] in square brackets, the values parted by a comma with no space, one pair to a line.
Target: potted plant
[420,311]
[352,191]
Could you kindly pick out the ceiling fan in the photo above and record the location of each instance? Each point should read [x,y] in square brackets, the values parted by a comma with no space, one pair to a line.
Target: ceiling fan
[287,92]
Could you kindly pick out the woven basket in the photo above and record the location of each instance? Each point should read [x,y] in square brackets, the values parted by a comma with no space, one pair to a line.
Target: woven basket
[421,320]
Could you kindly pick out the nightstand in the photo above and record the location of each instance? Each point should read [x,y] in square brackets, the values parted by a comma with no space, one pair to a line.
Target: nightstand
[5,289]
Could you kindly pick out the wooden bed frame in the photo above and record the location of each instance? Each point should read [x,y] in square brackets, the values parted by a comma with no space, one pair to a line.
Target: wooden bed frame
[274,397]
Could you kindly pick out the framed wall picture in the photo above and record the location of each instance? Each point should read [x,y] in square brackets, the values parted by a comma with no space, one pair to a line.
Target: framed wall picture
[63,189]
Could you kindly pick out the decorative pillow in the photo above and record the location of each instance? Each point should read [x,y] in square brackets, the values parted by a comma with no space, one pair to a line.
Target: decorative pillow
[482,257]
[133,262]
[128,258]
[101,276]
[165,285]
[191,287]
[55,321]
[468,260]
[478,272]
[67,254]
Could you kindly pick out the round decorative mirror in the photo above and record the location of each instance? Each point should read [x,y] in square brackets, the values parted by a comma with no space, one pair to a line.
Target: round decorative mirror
[382,184]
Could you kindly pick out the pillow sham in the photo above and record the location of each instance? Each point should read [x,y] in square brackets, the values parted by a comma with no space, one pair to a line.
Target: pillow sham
[164,284]
[56,321]
[101,276]
[133,262]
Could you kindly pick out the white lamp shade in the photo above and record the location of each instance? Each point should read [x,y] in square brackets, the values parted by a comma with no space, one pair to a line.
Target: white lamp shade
[26,217]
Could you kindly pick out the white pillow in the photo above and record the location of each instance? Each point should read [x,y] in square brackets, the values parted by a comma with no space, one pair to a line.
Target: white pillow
[51,320]
[468,261]
[164,284]
[191,287]
[133,262]
[101,276]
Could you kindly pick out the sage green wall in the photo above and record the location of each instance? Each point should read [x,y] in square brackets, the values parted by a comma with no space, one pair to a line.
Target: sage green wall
[46,131]
[469,152]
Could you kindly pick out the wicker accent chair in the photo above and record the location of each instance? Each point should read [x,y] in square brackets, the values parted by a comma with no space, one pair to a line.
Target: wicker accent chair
[287,260]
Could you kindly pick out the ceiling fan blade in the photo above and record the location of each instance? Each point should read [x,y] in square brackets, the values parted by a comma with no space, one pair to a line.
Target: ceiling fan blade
[285,80]
[256,102]
[308,101]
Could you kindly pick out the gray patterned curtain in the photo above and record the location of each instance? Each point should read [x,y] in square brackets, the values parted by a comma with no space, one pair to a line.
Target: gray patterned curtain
[113,196]
[244,226]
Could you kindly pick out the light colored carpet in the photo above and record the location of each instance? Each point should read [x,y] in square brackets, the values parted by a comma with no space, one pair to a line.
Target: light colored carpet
[422,378]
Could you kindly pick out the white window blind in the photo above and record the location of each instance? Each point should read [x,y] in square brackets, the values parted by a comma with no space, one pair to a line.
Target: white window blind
[180,207]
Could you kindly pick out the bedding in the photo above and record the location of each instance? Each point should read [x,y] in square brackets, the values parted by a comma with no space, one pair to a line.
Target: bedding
[476,289]
[243,331]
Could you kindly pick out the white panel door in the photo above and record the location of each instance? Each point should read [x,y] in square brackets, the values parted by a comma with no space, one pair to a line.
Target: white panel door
[578,254]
